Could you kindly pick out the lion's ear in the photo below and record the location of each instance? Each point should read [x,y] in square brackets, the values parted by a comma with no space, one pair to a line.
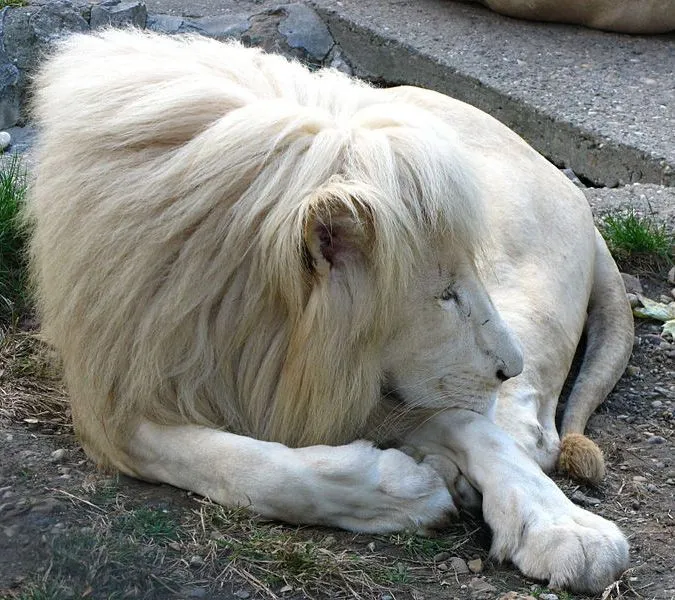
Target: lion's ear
[337,234]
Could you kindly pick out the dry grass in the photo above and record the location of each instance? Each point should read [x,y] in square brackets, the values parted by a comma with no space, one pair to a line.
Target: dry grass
[128,547]
[30,387]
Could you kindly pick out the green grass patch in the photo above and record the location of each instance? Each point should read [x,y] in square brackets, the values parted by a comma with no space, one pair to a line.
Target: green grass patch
[13,296]
[13,3]
[638,241]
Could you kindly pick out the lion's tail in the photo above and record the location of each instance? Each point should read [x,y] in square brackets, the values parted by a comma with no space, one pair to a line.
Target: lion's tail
[609,331]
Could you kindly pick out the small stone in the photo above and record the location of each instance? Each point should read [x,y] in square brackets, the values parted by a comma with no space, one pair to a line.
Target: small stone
[579,497]
[371,546]
[459,565]
[548,597]
[386,597]
[46,506]
[174,546]
[632,284]
[475,565]
[657,404]
[59,455]
[286,589]
[441,556]
[656,439]
[632,370]
[196,592]
[481,589]
[243,594]
[5,140]
[442,566]
[650,487]
[670,481]
[671,275]
[196,561]
[639,479]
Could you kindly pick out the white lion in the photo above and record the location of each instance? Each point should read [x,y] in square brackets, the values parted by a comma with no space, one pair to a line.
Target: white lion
[248,269]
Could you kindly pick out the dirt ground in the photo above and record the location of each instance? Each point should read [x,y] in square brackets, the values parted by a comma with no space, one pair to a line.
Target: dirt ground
[70,531]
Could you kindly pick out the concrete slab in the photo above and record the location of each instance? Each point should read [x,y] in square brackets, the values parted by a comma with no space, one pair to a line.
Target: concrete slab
[601,104]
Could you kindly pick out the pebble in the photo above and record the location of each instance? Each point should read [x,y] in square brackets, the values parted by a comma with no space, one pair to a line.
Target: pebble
[5,140]
[639,479]
[386,597]
[516,596]
[243,594]
[475,565]
[671,276]
[442,566]
[481,588]
[633,300]
[656,439]
[196,561]
[196,592]
[548,597]
[632,370]
[59,455]
[289,588]
[657,404]
[371,546]
[579,497]
[631,283]
[441,556]
[46,506]
[459,565]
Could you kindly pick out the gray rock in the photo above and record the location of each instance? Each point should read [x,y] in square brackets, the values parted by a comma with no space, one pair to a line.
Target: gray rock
[631,283]
[196,561]
[5,140]
[579,497]
[10,95]
[481,589]
[656,439]
[26,33]
[303,28]
[459,565]
[118,14]
[548,597]
[221,27]
[166,24]
[59,455]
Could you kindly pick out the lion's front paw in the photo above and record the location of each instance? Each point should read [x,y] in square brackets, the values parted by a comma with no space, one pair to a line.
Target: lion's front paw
[573,549]
[389,491]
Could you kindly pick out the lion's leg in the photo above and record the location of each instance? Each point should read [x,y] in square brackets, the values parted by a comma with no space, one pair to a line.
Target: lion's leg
[355,487]
[534,524]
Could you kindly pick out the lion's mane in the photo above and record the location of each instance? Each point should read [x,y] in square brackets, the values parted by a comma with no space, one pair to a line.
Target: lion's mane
[177,180]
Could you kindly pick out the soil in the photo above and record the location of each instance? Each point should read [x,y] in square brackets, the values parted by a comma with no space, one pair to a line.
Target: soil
[68,530]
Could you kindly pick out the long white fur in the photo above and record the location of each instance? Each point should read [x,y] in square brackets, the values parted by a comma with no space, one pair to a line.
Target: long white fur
[233,255]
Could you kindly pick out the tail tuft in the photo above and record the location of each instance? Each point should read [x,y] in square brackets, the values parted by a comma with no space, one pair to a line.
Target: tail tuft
[581,458]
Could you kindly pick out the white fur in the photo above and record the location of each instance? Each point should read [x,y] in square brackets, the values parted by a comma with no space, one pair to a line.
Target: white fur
[235,256]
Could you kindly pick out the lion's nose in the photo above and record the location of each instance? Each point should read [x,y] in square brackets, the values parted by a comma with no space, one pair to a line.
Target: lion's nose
[510,359]
[502,376]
